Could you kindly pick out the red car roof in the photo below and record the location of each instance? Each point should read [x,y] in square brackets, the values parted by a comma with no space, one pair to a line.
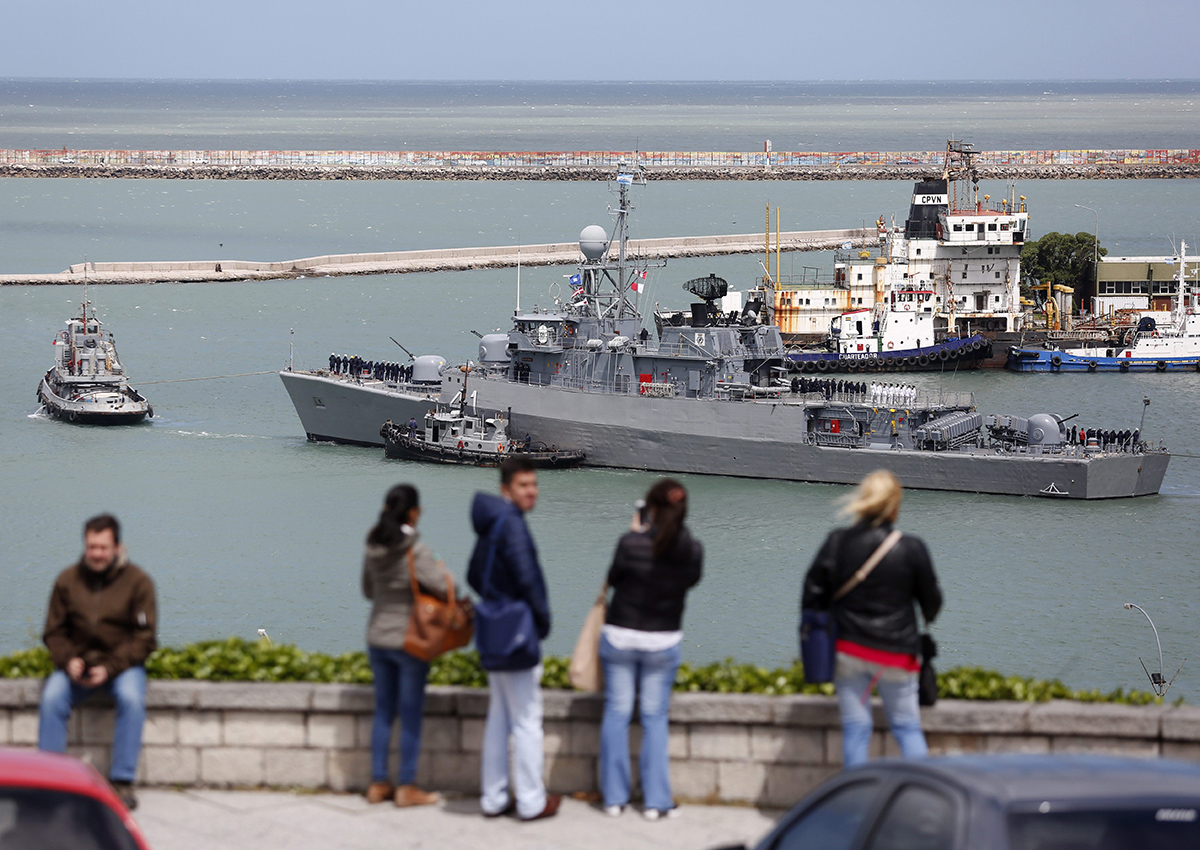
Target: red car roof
[36,769]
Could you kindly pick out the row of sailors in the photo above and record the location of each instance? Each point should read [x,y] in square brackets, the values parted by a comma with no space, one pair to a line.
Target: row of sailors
[892,393]
[380,370]
[875,392]
[1105,439]
[829,388]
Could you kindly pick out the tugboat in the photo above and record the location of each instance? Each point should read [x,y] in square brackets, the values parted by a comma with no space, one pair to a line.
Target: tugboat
[895,335]
[87,383]
[1151,347]
[454,436]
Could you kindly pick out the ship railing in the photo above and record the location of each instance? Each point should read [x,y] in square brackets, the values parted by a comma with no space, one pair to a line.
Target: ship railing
[922,400]
[624,385]
[683,347]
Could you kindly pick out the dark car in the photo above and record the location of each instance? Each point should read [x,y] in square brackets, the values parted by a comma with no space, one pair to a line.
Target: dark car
[999,803]
[49,801]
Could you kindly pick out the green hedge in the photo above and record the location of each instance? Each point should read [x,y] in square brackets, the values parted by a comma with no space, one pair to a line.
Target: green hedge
[237,660]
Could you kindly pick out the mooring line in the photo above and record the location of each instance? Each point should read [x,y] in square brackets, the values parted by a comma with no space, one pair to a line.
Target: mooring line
[208,378]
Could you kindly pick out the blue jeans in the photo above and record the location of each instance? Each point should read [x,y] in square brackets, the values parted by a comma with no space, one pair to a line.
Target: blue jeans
[653,675]
[899,692]
[399,686]
[128,690]
[514,708]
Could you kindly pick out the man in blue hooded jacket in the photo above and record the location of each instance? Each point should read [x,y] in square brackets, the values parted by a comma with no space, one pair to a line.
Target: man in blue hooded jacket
[515,700]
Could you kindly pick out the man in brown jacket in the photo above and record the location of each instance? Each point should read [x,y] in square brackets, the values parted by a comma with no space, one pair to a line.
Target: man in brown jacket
[100,629]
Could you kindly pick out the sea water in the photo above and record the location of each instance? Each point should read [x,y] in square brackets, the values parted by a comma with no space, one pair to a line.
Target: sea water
[245,525]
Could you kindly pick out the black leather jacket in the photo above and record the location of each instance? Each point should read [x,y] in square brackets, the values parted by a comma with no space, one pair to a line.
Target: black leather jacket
[648,593]
[879,613]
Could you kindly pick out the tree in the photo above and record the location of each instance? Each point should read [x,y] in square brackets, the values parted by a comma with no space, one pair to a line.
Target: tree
[1060,258]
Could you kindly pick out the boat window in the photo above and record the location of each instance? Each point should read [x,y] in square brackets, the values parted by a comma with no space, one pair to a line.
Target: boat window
[992,226]
[971,228]
[957,228]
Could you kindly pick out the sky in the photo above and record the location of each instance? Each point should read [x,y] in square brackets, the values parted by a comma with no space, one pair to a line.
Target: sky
[611,40]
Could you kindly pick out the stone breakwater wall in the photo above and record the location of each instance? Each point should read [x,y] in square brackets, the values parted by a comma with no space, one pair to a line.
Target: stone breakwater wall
[595,173]
[444,259]
[762,750]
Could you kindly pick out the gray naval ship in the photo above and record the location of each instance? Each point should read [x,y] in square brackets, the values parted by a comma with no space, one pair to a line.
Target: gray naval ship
[715,397]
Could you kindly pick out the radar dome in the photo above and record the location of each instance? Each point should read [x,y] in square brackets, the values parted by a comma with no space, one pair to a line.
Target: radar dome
[593,241]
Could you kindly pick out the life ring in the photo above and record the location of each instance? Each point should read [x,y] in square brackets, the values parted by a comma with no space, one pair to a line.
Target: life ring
[500,447]
[460,444]
[1154,334]
[1056,361]
[1160,366]
[891,345]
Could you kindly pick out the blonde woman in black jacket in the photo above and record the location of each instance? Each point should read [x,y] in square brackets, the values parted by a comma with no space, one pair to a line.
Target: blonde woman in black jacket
[878,639]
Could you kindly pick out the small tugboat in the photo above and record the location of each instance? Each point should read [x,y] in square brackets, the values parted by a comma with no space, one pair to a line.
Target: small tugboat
[1151,347]
[897,334]
[466,439]
[452,435]
[87,383]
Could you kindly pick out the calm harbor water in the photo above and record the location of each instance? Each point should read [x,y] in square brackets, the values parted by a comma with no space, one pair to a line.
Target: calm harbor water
[245,525]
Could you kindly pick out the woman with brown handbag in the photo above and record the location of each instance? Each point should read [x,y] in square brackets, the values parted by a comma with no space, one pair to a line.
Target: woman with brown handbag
[393,549]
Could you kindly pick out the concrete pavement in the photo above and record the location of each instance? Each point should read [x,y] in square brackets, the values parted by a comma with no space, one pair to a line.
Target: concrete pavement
[278,820]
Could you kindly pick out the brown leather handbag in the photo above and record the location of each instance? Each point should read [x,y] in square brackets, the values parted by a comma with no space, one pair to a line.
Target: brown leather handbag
[436,627]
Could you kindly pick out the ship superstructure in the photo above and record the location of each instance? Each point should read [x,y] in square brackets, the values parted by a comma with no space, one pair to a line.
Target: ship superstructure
[963,247]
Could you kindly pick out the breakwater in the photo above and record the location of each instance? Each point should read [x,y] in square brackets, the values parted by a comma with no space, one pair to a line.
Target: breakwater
[446,259]
[588,165]
[733,748]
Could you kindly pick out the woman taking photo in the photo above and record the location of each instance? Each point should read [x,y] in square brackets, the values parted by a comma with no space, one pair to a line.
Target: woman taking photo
[878,641]
[640,645]
[392,545]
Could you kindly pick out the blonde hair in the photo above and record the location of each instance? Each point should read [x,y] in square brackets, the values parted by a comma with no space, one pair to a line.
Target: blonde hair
[876,499]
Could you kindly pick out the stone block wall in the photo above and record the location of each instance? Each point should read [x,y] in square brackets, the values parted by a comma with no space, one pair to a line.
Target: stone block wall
[724,748]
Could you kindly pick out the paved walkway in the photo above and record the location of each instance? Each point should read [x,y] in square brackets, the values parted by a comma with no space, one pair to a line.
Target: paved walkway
[274,820]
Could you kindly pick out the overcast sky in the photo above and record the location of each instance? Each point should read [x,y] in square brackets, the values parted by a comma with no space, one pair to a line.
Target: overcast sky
[604,40]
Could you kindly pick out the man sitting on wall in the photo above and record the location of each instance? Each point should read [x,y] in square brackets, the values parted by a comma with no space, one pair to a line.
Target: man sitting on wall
[100,629]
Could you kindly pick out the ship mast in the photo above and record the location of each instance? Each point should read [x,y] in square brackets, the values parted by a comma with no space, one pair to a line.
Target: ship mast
[1181,290]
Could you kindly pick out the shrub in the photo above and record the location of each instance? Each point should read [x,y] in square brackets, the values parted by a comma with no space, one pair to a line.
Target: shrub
[238,660]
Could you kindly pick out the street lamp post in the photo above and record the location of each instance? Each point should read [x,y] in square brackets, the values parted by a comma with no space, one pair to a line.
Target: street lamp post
[1095,251]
